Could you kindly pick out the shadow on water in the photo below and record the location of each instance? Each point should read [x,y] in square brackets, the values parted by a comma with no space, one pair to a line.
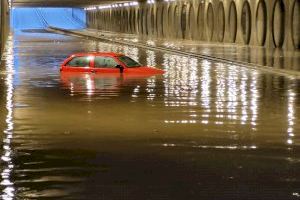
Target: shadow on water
[203,130]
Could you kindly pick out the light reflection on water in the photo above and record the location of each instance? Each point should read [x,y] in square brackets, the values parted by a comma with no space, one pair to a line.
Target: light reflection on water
[225,94]
[291,115]
[7,165]
[79,135]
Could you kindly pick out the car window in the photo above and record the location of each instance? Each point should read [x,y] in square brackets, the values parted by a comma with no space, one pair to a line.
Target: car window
[105,62]
[129,62]
[83,61]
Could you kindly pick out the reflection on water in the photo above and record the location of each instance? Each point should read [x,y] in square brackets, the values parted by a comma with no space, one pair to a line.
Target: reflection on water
[118,136]
[6,157]
[104,85]
[291,115]
[228,94]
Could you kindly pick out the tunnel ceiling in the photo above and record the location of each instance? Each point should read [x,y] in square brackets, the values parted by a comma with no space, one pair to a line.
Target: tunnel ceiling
[61,3]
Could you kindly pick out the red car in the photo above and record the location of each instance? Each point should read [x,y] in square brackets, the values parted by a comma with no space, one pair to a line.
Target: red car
[105,63]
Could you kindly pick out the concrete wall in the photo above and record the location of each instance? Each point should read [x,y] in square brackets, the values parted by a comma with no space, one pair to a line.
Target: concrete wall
[270,23]
[4,26]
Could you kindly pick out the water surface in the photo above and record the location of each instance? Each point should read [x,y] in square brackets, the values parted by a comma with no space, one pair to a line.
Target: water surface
[203,130]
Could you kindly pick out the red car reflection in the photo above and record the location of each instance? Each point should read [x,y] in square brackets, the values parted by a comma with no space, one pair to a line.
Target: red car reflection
[105,63]
[91,83]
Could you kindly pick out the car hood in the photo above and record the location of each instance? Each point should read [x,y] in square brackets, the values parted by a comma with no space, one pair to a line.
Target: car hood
[144,70]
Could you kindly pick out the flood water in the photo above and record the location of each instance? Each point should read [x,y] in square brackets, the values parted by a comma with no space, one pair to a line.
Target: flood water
[203,130]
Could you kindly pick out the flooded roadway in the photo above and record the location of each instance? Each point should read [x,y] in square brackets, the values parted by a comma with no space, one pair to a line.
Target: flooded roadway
[203,130]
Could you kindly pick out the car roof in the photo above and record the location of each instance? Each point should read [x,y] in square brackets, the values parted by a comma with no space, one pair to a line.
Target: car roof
[113,54]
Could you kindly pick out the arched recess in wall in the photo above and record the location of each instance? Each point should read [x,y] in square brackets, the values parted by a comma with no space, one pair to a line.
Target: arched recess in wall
[232,21]
[112,19]
[152,22]
[99,24]
[192,22]
[109,17]
[140,20]
[210,22]
[95,19]
[156,21]
[170,27]
[200,19]
[296,24]
[175,21]
[138,14]
[129,30]
[103,23]
[127,25]
[88,19]
[98,21]
[146,21]
[91,21]
[183,21]
[221,21]
[261,22]
[119,22]
[160,21]
[105,20]
[278,28]
[246,22]
[133,20]
[108,22]
[122,20]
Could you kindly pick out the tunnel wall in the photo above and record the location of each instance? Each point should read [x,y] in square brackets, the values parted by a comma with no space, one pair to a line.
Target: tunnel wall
[269,23]
[4,28]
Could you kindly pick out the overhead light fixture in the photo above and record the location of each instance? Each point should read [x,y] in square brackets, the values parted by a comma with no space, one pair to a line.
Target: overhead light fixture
[9,4]
[119,5]
[104,7]
[150,1]
[90,8]
[135,3]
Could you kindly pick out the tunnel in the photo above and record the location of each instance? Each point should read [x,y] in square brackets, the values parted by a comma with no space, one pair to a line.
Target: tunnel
[150,99]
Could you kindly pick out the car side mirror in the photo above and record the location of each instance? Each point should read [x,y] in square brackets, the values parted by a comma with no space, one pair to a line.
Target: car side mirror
[121,68]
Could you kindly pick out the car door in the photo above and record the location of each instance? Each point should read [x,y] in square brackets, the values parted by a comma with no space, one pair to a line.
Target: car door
[105,64]
[79,64]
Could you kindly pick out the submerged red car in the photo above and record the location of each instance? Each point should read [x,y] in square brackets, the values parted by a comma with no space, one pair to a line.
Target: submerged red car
[105,63]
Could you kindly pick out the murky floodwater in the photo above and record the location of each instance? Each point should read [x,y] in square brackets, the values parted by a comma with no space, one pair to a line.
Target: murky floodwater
[203,130]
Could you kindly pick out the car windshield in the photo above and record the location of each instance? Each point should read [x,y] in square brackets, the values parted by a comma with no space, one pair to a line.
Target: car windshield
[129,62]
